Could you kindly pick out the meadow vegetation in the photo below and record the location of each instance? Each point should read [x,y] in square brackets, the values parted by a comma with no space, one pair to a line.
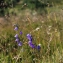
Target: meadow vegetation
[42,26]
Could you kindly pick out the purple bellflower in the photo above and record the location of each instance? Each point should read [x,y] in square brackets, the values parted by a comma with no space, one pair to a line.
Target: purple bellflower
[16,28]
[17,40]
[29,37]
[16,36]
[20,43]
[31,45]
[30,41]
[20,32]
[39,46]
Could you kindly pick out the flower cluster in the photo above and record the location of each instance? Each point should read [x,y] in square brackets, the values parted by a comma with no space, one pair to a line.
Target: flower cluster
[29,37]
[17,39]
[30,43]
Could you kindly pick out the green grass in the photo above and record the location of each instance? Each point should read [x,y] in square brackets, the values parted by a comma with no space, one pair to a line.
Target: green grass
[49,35]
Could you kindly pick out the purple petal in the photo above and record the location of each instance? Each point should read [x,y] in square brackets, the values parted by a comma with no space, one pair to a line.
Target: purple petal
[29,38]
[29,42]
[16,28]
[28,35]
[20,43]
[38,47]
[16,36]
[17,40]
[31,45]
[20,32]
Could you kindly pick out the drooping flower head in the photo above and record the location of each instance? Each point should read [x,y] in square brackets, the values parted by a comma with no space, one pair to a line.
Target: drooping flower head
[16,28]
[20,32]
[17,40]
[31,44]
[39,46]
[29,37]
[20,43]
[16,36]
